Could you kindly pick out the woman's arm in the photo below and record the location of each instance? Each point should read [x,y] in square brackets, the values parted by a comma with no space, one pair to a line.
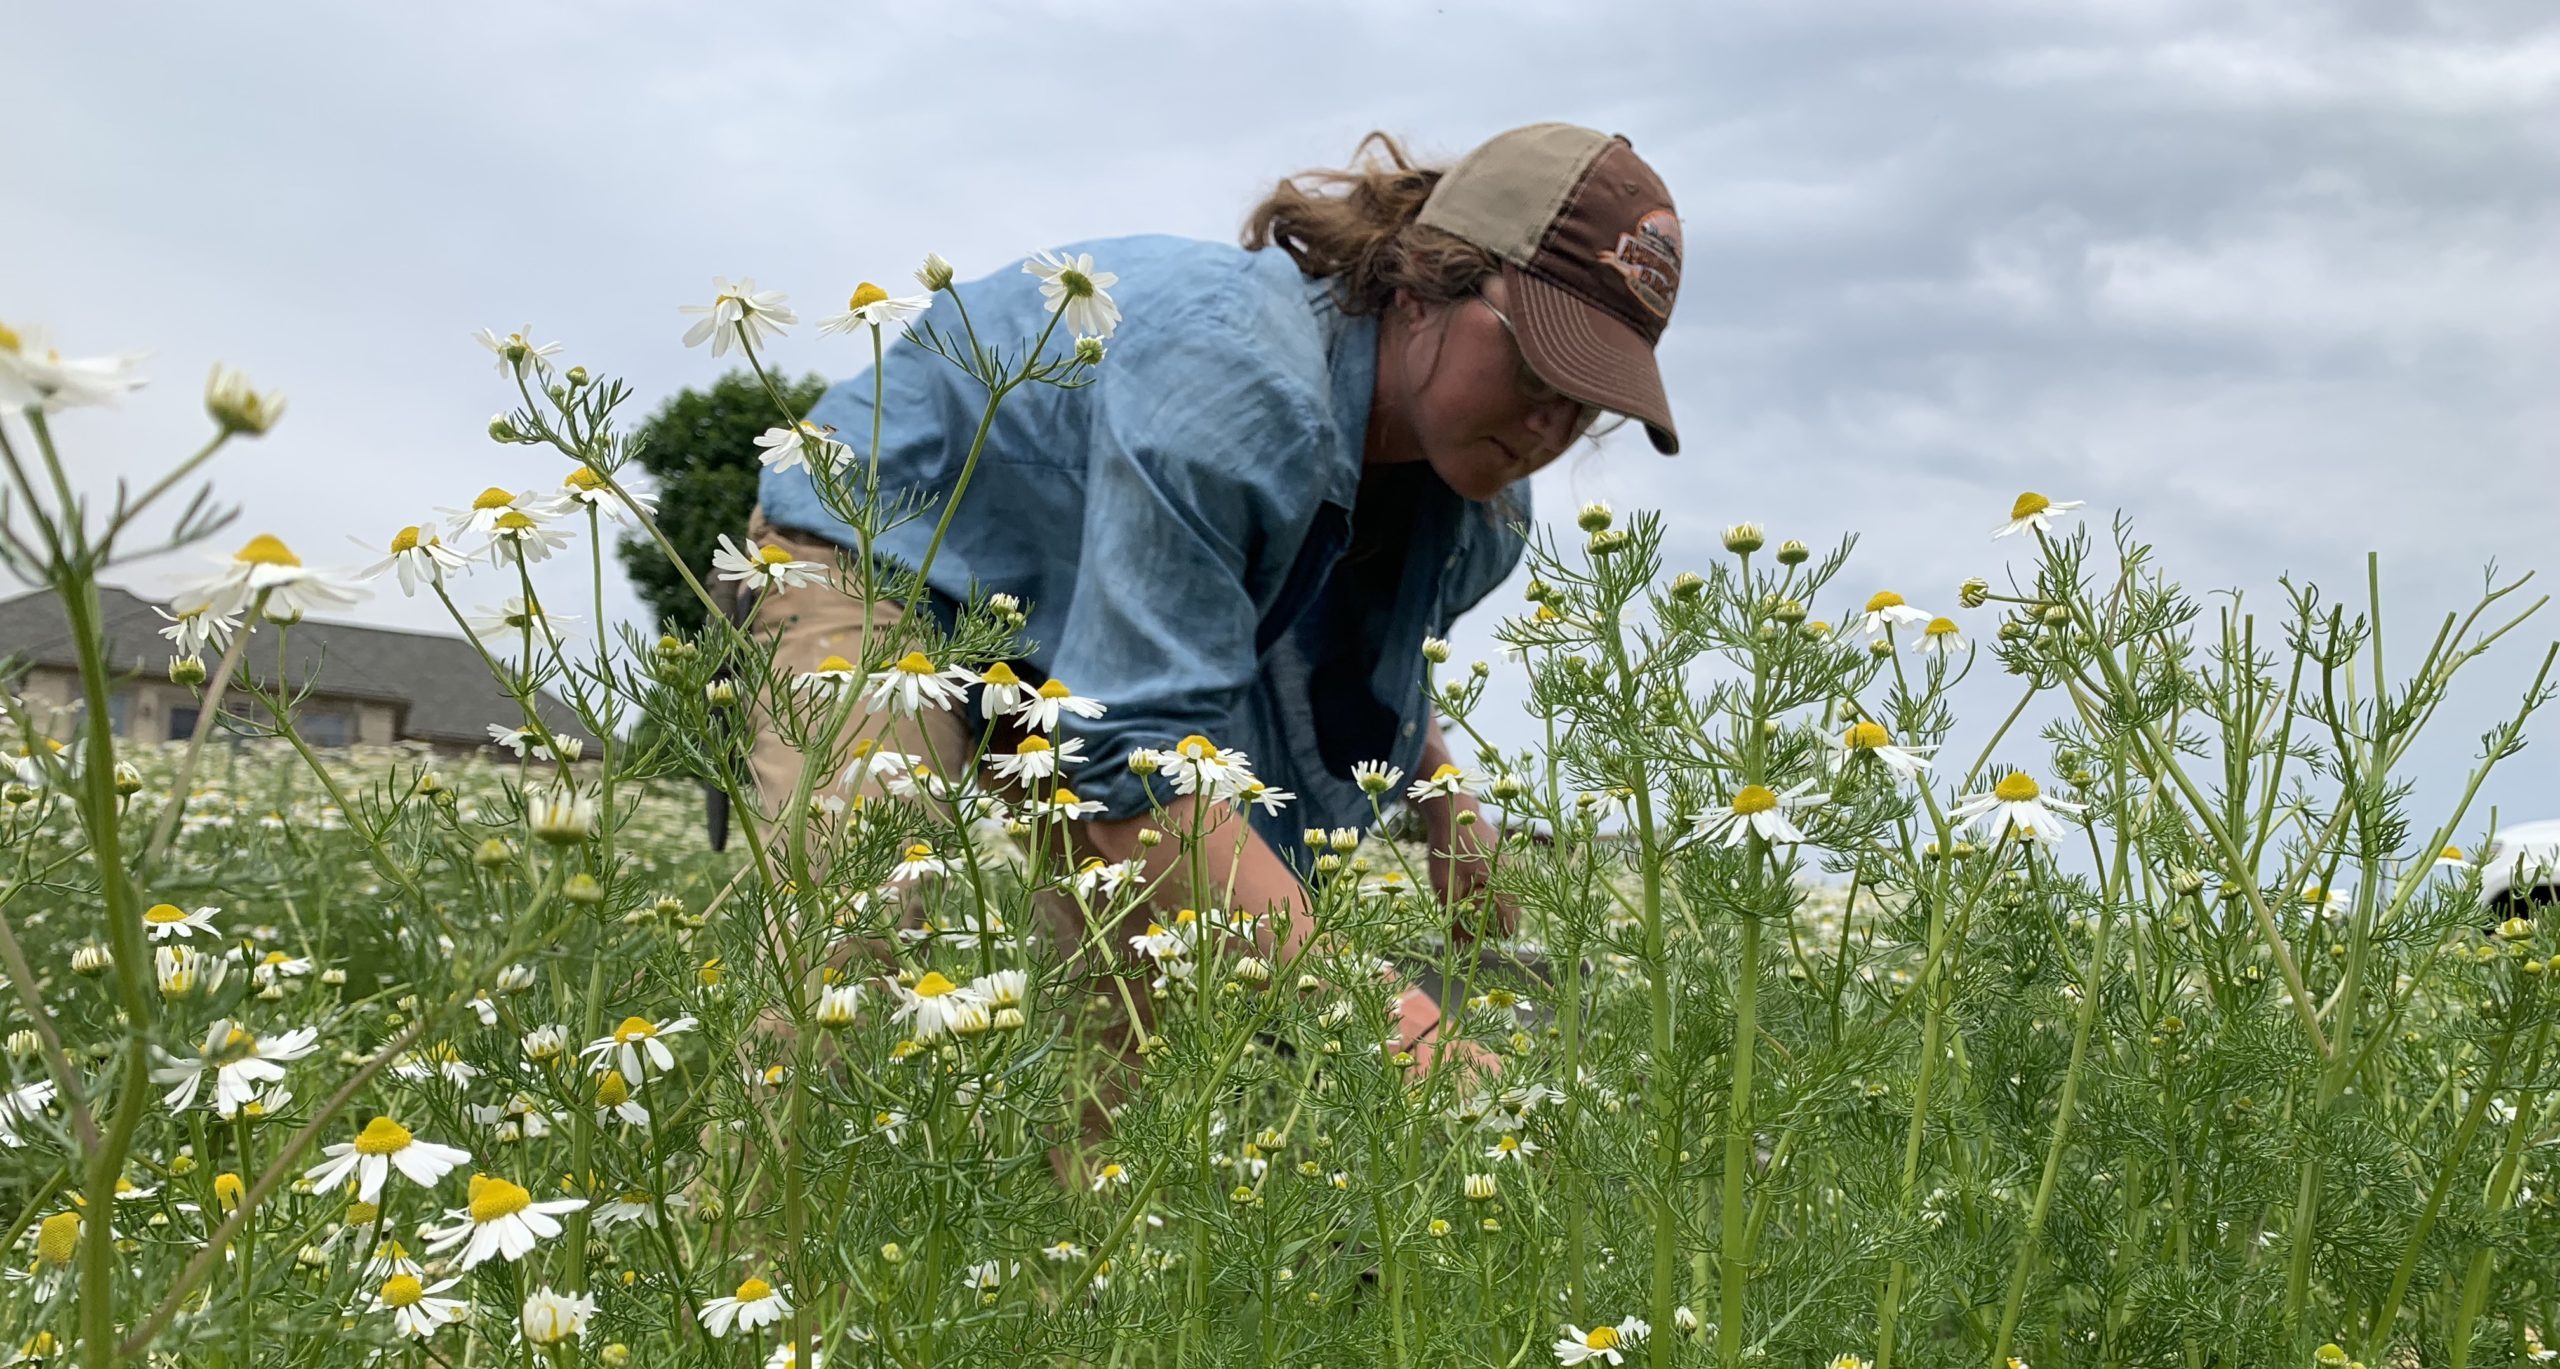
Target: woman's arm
[1231,850]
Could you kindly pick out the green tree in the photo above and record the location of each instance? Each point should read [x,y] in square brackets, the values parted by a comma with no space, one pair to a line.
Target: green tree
[700,449]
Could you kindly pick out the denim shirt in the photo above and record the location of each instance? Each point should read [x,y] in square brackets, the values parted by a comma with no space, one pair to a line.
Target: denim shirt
[1194,536]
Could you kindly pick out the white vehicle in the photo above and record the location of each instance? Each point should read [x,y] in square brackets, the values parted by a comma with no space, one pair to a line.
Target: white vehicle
[2521,868]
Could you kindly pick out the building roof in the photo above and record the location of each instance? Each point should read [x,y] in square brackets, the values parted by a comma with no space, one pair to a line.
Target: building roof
[439,682]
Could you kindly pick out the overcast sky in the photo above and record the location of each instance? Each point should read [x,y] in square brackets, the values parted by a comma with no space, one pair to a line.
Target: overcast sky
[2281,281]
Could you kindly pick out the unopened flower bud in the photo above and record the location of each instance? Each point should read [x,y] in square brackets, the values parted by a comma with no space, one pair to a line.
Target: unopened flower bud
[1688,585]
[1880,647]
[1793,553]
[92,960]
[493,853]
[1744,538]
[128,780]
[1150,837]
[503,429]
[2515,929]
[1088,351]
[2055,614]
[1595,517]
[935,274]
[1609,542]
[1788,611]
[186,671]
[1974,593]
[1435,650]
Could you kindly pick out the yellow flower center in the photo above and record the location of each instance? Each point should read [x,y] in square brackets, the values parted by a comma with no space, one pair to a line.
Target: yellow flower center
[226,1190]
[2450,853]
[835,665]
[1940,627]
[1000,674]
[754,1290]
[613,1090]
[513,520]
[1052,689]
[58,1238]
[920,851]
[164,914]
[1866,737]
[1064,797]
[1031,746]
[9,339]
[493,1198]
[1507,1145]
[1446,771]
[915,663]
[266,549]
[1602,1338]
[1112,1171]
[493,498]
[1884,599]
[865,294]
[934,985]
[2017,788]
[1155,929]
[382,1136]
[634,1029]
[774,556]
[1195,748]
[363,1214]
[402,1290]
[2029,503]
[584,479]
[405,539]
[1754,798]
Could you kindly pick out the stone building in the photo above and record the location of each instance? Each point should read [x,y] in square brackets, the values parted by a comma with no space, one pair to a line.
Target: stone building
[357,685]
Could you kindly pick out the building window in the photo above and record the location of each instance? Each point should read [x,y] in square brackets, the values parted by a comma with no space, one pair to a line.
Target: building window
[182,721]
[326,725]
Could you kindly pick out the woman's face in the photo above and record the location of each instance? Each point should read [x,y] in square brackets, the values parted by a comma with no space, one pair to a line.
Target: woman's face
[1475,410]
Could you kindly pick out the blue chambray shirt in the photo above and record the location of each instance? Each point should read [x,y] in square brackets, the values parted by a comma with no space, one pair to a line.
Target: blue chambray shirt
[1194,536]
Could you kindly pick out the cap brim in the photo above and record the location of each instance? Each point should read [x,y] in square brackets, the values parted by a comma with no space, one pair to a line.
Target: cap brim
[1590,354]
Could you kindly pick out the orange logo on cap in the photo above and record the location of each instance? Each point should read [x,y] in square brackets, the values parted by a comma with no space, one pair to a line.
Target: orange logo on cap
[1649,258]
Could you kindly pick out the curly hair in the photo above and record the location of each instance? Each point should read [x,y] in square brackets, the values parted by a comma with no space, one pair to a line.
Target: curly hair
[1356,227]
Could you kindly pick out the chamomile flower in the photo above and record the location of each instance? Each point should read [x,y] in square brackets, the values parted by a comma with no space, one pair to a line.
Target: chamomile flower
[414,1307]
[583,488]
[917,861]
[936,1005]
[242,1066]
[36,376]
[501,1220]
[265,565]
[1941,637]
[616,1103]
[801,443]
[1386,884]
[492,504]
[2016,805]
[632,1208]
[22,1104]
[381,1147]
[1867,739]
[2034,511]
[519,536]
[508,625]
[1063,803]
[1098,878]
[1887,610]
[764,567]
[1161,943]
[872,307]
[1254,793]
[555,1318]
[1600,1343]
[1040,711]
[838,1005]
[737,308]
[832,677]
[515,349]
[1197,765]
[1034,758]
[1510,1147]
[1375,777]
[418,557]
[912,683]
[1071,285]
[1000,691]
[1002,988]
[1854,1362]
[164,920]
[1757,808]
[637,1042]
[1111,1175]
[524,741]
[1445,782]
[194,630]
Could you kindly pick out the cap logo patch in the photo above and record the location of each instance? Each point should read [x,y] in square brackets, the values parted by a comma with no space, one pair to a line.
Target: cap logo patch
[1649,258]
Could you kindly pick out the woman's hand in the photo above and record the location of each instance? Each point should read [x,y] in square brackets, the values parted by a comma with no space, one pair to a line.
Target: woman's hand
[1461,862]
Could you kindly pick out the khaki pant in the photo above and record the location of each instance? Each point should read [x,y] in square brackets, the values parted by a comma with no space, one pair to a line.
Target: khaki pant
[813,622]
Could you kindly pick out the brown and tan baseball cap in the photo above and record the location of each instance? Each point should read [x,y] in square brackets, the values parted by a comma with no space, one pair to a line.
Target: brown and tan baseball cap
[1591,247]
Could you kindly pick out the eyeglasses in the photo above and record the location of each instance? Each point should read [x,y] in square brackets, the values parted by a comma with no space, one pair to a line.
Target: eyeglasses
[1534,387]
